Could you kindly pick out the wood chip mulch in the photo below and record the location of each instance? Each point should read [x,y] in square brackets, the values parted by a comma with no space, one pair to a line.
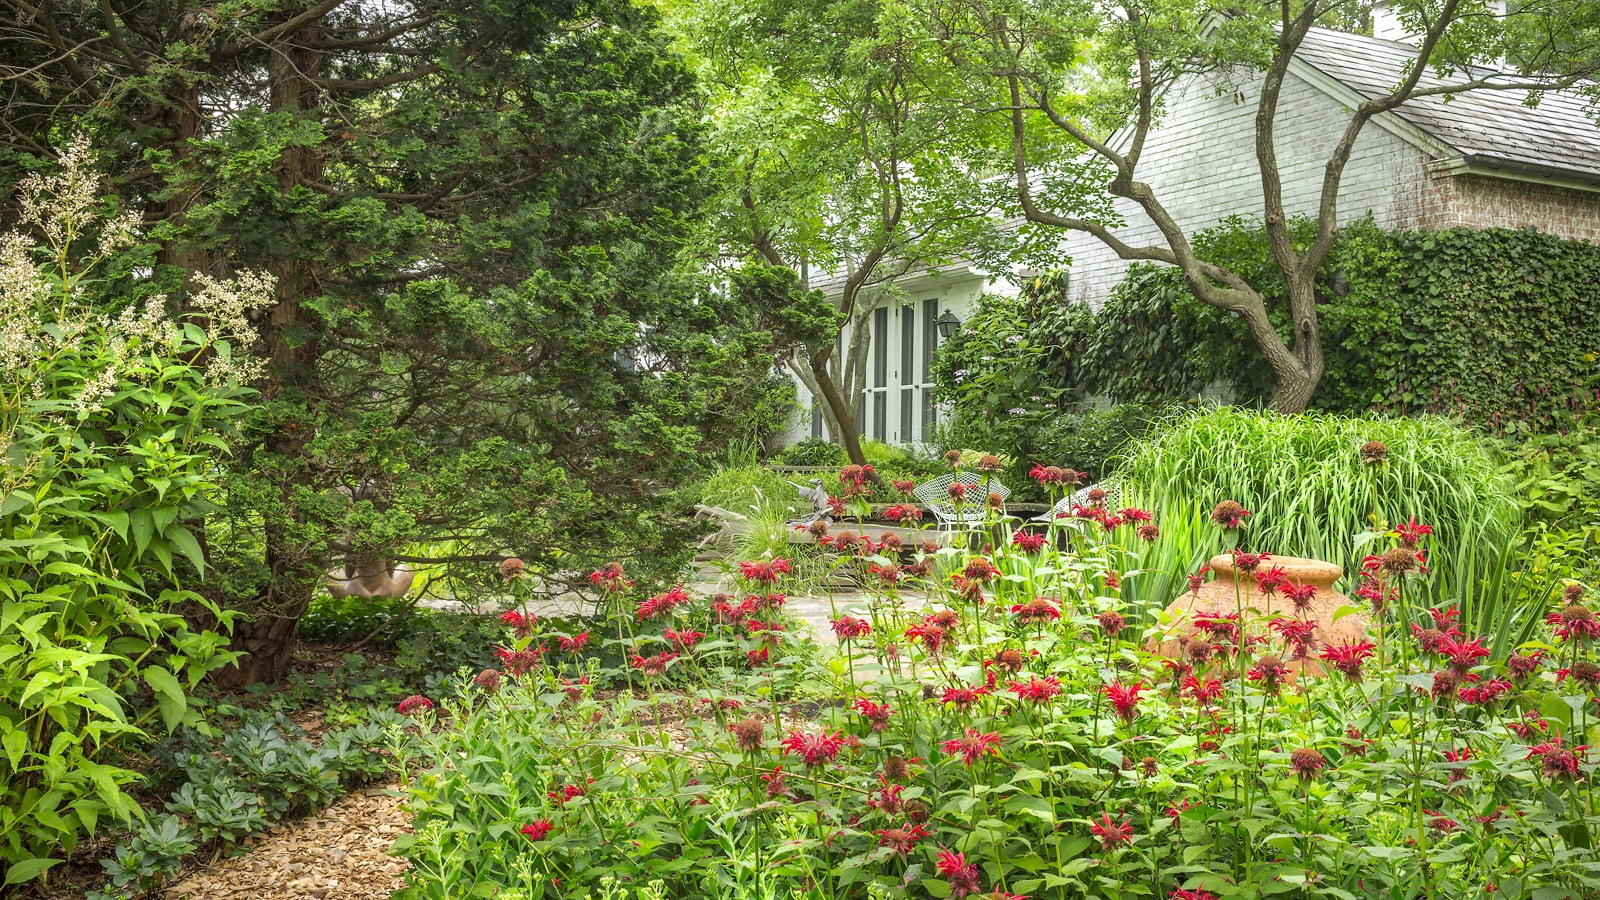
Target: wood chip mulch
[341,853]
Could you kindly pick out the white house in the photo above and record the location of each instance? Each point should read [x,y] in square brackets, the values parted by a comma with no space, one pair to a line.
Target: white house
[1482,159]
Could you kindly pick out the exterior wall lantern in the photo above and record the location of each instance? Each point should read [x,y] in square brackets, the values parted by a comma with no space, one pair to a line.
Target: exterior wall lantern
[948,324]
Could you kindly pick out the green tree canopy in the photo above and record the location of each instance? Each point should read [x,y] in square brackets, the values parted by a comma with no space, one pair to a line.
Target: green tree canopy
[484,340]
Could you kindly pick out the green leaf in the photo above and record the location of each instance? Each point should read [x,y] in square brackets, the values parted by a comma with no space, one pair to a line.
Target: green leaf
[28,869]
[169,695]
[183,540]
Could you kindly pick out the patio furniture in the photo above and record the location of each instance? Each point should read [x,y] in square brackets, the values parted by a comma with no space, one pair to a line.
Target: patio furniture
[1080,497]
[935,495]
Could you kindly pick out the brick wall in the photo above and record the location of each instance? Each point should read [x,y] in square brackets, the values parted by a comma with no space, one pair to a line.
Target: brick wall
[1473,201]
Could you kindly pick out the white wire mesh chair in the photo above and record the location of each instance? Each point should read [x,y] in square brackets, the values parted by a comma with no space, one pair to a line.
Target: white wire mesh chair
[935,495]
[1080,497]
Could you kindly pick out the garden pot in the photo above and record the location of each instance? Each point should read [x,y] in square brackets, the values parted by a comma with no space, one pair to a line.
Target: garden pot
[1218,595]
[380,579]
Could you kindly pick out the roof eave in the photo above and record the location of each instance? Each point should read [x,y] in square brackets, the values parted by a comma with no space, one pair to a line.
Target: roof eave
[1486,166]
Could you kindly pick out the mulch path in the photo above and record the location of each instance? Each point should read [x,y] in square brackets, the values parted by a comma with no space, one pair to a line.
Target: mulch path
[343,853]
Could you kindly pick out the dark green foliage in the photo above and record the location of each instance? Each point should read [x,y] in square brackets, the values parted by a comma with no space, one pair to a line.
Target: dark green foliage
[484,332]
[1493,327]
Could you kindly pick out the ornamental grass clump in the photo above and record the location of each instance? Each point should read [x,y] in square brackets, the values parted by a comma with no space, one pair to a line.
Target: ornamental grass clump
[1013,735]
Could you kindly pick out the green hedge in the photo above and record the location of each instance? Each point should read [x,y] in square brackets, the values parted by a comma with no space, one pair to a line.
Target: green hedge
[1493,327]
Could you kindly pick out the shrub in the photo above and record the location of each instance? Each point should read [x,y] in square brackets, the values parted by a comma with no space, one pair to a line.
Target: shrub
[813,451]
[111,428]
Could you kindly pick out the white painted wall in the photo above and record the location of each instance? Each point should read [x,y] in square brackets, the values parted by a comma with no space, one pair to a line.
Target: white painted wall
[1200,160]
[904,386]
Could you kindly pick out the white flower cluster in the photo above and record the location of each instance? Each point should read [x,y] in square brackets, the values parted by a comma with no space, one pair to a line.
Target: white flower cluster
[49,329]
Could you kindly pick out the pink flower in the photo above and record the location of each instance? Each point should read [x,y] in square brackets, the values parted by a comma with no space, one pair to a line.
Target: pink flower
[1558,762]
[1112,834]
[414,704]
[1124,698]
[1460,653]
[663,603]
[904,513]
[961,875]
[1037,691]
[1036,610]
[974,745]
[815,747]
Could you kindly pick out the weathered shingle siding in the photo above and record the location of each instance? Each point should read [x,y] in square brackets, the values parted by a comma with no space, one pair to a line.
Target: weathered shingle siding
[1201,162]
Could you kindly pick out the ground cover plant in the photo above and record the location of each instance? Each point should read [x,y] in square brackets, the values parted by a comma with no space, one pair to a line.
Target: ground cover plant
[1016,737]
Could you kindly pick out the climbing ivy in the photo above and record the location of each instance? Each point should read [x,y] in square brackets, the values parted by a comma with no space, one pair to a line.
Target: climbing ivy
[1495,327]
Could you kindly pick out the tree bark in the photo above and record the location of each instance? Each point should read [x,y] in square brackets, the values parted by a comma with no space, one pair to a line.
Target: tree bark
[266,639]
[847,436]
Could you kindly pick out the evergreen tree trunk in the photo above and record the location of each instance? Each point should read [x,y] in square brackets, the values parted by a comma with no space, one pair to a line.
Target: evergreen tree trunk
[266,639]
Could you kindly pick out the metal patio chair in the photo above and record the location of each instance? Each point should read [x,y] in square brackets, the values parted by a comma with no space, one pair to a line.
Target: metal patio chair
[935,495]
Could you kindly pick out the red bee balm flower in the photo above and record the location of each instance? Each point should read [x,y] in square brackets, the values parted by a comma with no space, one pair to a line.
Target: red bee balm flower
[1306,763]
[414,704]
[847,628]
[537,830]
[1112,834]
[1037,691]
[815,747]
[904,513]
[1557,761]
[1034,611]
[1124,699]
[901,839]
[652,665]
[610,578]
[1412,533]
[876,713]
[1300,595]
[663,603]
[573,644]
[961,875]
[974,745]
[1229,514]
[1181,894]
[1028,542]
[683,640]
[1576,622]
[518,621]
[1349,656]
[1461,654]
[765,571]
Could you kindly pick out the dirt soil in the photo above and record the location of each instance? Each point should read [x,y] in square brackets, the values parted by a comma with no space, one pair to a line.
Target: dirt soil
[343,853]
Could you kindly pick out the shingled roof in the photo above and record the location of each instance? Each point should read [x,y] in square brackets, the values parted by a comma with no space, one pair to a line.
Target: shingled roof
[1490,128]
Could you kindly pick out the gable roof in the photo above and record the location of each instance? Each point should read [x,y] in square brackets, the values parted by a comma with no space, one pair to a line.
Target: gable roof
[1492,129]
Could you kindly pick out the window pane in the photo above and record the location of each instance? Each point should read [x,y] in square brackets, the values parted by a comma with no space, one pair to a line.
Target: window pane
[880,348]
[930,340]
[906,435]
[908,345]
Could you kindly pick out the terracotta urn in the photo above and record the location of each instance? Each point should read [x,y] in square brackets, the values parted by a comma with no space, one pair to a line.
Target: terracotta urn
[1223,593]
